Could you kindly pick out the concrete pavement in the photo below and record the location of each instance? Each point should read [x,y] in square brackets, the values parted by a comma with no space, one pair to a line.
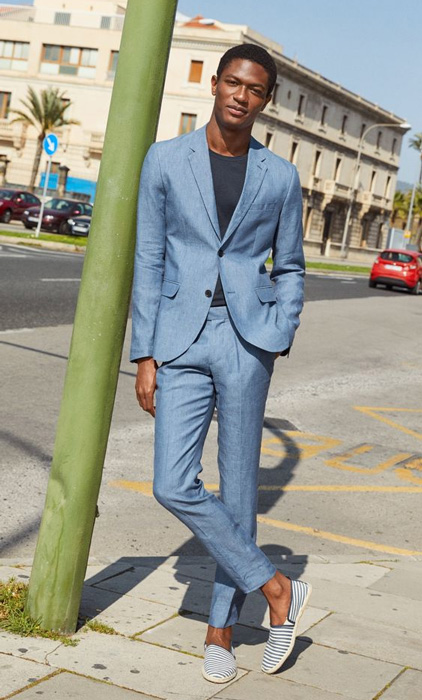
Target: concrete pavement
[359,638]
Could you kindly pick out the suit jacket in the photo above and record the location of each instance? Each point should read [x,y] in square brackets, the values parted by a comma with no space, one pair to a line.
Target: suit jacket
[179,252]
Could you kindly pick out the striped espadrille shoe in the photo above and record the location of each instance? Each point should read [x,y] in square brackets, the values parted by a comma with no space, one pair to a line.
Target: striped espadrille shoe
[219,664]
[282,637]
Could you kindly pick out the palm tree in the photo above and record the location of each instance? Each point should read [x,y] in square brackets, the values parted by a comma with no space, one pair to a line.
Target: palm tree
[400,206]
[45,113]
[416,143]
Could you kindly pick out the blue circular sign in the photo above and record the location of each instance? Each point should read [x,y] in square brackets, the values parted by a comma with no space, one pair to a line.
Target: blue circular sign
[50,144]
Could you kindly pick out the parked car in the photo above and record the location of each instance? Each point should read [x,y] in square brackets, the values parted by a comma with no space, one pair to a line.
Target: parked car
[14,202]
[57,212]
[79,225]
[398,268]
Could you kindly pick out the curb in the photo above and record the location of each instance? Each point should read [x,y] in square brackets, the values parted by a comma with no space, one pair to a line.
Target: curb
[49,245]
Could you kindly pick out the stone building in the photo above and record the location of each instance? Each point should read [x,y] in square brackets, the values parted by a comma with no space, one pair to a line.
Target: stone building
[313,122]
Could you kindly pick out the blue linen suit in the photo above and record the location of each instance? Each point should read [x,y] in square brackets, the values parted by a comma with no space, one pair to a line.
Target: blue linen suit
[220,356]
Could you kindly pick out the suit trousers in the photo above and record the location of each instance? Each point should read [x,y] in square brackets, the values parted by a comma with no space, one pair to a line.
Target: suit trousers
[219,370]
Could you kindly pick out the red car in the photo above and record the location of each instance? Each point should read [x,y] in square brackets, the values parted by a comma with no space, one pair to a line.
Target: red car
[398,268]
[57,212]
[14,202]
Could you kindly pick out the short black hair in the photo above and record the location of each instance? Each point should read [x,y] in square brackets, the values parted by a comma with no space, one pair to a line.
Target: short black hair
[251,52]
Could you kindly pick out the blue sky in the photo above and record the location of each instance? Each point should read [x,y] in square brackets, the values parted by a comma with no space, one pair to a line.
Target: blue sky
[372,47]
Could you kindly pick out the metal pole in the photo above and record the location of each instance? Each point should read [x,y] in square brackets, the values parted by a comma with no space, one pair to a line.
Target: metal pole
[355,185]
[410,212]
[47,177]
[412,201]
[66,529]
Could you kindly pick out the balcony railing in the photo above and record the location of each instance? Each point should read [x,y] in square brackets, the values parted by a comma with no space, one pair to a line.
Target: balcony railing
[370,199]
[336,189]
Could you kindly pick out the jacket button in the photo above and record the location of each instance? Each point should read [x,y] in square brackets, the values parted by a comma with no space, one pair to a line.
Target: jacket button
[208,293]
[221,253]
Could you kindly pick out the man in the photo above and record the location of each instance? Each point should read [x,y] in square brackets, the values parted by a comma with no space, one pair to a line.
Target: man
[213,204]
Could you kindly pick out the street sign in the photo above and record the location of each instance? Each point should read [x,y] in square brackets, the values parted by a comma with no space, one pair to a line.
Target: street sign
[50,144]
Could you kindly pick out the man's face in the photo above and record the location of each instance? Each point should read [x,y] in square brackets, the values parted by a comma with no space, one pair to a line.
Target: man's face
[240,93]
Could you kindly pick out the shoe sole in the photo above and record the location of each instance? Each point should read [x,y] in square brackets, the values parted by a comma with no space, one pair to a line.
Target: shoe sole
[293,639]
[212,679]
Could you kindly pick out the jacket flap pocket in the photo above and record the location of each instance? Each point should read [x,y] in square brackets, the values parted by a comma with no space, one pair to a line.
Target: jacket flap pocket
[169,289]
[266,293]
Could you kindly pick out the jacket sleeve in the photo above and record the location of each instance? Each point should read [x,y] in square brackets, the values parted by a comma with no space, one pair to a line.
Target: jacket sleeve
[288,270]
[149,256]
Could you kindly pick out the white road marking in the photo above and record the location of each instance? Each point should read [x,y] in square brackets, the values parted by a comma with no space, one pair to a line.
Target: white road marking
[60,279]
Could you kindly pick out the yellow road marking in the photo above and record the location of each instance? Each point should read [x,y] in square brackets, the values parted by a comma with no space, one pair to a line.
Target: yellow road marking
[375,411]
[339,461]
[317,444]
[406,472]
[322,534]
[145,487]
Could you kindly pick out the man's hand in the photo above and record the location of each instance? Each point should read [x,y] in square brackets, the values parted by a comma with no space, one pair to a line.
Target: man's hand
[146,383]
[283,353]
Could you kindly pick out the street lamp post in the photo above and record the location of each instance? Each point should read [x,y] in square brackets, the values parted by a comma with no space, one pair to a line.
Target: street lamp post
[416,184]
[354,187]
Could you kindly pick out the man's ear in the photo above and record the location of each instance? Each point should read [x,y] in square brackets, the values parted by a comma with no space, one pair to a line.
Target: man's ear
[214,81]
[267,100]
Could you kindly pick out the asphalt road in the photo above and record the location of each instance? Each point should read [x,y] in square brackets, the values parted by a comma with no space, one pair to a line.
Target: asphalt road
[39,288]
[341,452]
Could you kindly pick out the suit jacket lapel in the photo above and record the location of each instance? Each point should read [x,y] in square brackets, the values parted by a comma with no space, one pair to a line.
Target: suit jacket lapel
[255,173]
[201,167]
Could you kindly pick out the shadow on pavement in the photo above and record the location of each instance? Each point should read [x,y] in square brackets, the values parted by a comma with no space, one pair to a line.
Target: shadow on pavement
[197,572]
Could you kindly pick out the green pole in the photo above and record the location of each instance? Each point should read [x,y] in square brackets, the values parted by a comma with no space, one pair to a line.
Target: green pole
[64,538]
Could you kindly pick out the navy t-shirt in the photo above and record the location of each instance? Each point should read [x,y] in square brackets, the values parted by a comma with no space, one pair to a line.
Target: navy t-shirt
[228,175]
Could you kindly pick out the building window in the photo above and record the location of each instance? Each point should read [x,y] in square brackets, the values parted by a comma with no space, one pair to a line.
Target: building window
[379,137]
[373,180]
[105,22]
[317,163]
[343,124]
[387,187]
[362,130]
[187,123]
[4,104]
[68,60]
[114,55]
[14,55]
[268,139]
[293,152]
[55,165]
[393,147]
[62,18]
[301,105]
[275,92]
[324,115]
[337,169]
[195,71]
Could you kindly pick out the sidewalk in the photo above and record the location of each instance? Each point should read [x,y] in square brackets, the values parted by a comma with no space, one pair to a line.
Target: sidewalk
[360,638]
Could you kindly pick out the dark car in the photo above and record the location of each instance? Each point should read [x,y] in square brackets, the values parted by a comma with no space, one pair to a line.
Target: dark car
[14,202]
[79,225]
[398,268]
[57,212]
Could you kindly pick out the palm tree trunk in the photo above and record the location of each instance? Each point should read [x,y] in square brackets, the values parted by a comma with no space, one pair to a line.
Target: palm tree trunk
[36,164]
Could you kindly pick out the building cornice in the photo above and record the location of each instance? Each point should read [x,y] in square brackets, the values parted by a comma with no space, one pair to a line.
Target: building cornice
[323,141]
